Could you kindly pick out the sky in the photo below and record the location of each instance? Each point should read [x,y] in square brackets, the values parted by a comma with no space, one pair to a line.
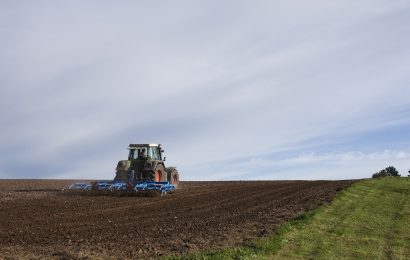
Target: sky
[233,90]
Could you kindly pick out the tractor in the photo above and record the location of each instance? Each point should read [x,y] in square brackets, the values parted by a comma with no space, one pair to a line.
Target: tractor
[146,163]
[143,172]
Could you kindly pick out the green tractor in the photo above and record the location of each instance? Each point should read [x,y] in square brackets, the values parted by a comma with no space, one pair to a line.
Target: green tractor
[146,163]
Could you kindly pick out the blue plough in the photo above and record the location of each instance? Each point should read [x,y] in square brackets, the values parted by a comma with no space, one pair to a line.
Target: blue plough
[114,186]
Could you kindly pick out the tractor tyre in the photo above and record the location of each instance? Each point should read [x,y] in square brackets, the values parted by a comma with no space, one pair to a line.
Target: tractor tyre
[173,176]
[159,174]
[121,176]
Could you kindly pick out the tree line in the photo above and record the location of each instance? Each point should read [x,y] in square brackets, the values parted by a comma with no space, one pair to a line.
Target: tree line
[388,171]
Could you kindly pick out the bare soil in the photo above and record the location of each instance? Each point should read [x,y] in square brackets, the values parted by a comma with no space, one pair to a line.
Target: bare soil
[38,220]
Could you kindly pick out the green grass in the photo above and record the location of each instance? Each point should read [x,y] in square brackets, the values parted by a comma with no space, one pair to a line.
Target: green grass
[370,220]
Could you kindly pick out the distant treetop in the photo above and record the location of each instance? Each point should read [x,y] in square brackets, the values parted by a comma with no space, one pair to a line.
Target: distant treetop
[389,171]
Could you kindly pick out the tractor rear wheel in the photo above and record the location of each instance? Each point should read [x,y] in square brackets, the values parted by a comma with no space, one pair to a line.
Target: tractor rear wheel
[173,177]
[121,176]
[159,174]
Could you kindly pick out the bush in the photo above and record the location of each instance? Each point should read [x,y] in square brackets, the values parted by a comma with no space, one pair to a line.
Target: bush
[389,171]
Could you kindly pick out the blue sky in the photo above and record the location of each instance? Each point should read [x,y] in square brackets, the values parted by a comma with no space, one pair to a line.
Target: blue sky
[233,90]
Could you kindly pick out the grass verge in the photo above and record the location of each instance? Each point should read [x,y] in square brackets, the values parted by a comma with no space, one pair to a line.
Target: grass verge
[369,220]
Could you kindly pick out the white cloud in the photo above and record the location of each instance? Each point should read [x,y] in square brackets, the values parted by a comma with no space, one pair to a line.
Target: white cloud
[211,81]
[347,157]
[341,165]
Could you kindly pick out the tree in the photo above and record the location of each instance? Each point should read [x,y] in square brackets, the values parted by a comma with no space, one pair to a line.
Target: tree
[389,171]
[409,174]
[392,171]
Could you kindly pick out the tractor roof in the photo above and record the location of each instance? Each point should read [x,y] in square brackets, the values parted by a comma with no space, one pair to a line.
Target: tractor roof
[143,145]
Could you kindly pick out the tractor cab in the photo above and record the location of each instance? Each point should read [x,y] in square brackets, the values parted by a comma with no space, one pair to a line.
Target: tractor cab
[145,163]
[145,152]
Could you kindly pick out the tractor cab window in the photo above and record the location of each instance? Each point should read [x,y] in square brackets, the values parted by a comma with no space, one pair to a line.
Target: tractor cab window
[153,153]
[137,153]
[131,154]
[142,153]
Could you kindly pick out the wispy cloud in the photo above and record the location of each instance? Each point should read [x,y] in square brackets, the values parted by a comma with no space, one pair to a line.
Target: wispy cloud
[211,81]
[332,165]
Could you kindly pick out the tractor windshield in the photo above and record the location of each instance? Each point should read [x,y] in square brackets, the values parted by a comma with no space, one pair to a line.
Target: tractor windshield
[152,152]
[138,153]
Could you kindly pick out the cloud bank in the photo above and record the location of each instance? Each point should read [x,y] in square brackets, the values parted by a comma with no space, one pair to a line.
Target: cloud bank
[233,90]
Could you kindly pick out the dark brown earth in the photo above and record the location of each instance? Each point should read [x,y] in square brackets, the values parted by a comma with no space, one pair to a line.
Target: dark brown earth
[38,220]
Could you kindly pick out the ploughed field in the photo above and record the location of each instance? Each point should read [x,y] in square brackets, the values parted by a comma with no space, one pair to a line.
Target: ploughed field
[37,219]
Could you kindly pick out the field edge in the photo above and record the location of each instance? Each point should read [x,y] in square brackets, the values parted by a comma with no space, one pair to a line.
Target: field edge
[274,246]
[264,247]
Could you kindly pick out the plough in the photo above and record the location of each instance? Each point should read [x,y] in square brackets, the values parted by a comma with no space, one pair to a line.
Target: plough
[115,187]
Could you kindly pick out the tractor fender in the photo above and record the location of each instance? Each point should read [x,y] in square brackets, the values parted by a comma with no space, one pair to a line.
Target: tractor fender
[170,169]
[154,164]
[123,165]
